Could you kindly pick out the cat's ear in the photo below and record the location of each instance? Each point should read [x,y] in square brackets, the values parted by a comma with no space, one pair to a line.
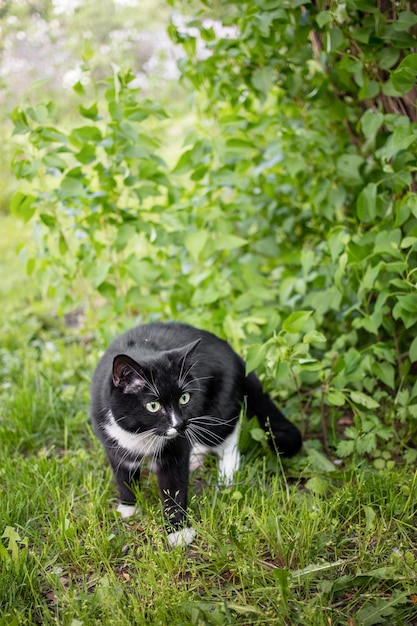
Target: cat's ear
[190,347]
[185,351]
[127,374]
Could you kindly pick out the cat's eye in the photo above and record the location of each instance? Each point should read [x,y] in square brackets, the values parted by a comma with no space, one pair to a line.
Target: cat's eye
[185,398]
[153,407]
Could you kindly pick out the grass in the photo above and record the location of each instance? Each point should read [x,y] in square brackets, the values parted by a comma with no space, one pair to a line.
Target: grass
[303,544]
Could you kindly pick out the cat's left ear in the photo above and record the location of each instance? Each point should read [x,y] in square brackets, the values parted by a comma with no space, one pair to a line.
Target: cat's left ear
[127,374]
[185,351]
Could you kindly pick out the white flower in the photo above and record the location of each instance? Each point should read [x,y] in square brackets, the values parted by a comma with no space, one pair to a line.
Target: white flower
[65,7]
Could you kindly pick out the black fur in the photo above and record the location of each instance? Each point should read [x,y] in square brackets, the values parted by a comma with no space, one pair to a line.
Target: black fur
[195,386]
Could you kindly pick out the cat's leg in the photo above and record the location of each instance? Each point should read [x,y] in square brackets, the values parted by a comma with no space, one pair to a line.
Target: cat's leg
[126,477]
[172,472]
[229,456]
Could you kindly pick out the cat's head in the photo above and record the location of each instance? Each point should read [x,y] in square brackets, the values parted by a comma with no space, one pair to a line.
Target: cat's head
[157,391]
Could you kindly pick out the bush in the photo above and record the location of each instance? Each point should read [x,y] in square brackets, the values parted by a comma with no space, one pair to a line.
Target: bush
[288,223]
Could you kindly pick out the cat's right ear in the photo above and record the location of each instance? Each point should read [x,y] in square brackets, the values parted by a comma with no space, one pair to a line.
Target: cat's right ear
[127,374]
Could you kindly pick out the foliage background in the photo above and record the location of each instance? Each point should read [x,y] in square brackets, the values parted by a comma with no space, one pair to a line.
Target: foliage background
[286,224]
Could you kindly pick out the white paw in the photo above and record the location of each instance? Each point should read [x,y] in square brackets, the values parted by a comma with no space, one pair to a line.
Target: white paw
[181,537]
[126,510]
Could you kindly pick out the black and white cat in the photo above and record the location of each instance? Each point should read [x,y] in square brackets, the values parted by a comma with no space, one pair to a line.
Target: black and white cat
[171,392]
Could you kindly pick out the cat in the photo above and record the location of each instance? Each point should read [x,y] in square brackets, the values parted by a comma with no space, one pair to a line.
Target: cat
[172,392]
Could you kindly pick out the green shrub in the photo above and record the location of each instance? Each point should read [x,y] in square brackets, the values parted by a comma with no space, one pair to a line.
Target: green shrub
[288,223]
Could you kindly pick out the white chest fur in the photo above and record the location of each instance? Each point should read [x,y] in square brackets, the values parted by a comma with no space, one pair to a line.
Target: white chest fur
[141,444]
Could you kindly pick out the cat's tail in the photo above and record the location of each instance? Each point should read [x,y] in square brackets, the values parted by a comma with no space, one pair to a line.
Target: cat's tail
[285,438]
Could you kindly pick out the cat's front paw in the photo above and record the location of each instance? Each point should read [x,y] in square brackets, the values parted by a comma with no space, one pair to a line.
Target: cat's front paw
[126,510]
[182,537]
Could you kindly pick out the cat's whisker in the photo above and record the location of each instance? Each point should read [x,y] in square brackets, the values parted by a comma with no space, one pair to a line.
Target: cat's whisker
[140,457]
[182,376]
[201,428]
[196,379]
[154,386]
[191,437]
[206,440]
[143,437]
[148,439]
[135,465]
[149,445]
[157,452]
[150,384]
[205,436]
[211,420]
[122,459]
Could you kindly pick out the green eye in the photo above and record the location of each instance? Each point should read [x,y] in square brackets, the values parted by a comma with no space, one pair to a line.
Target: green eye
[185,398]
[153,407]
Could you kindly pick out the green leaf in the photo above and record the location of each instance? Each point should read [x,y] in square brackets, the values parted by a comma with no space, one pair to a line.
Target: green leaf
[348,168]
[228,242]
[85,133]
[72,187]
[20,122]
[371,121]
[402,138]
[258,434]
[313,336]
[369,89]
[334,39]
[90,112]
[386,373]
[184,163]
[345,448]
[318,460]
[39,114]
[366,203]
[255,356]
[323,18]
[370,516]
[361,34]
[296,321]
[195,242]
[125,234]
[98,272]
[54,161]
[263,79]
[88,52]
[404,77]
[405,20]
[318,485]
[408,303]
[381,610]
[211,292]
[13,540]
[23,205]
[387,57]
[336,397]
[408,242]
[108,291]
[48,220]
[358,397]
[412,353]
[371,274]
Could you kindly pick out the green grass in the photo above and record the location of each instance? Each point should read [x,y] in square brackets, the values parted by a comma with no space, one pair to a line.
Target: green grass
[298,545]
